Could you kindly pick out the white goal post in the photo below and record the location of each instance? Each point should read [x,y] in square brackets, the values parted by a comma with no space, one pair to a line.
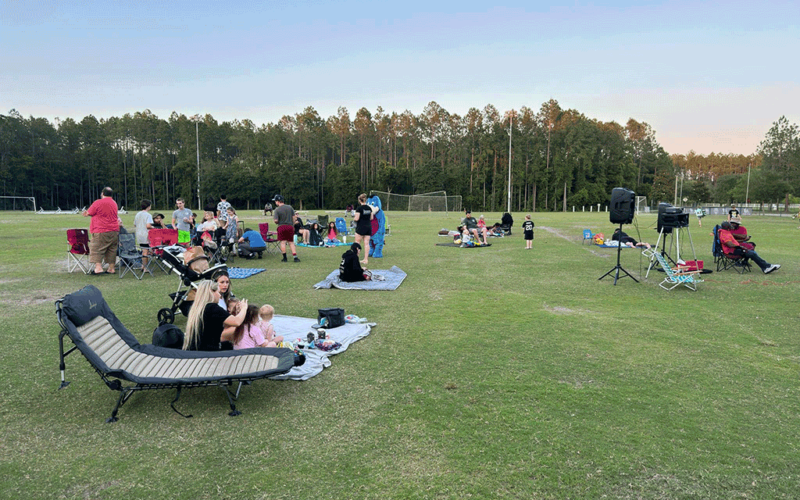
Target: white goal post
[436,201]
[26,198]
[641,205]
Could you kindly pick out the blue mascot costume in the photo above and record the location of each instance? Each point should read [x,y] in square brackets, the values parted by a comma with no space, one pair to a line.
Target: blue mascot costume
[376,242]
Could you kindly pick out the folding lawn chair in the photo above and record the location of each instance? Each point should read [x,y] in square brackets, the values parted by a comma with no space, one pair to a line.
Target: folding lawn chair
[129,256]
[160,239]
[738,263]
[269,238]
[587,236]
[78,252]
[675,277]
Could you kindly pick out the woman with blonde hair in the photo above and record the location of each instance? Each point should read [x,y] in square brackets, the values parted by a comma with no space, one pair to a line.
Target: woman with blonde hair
[209,324]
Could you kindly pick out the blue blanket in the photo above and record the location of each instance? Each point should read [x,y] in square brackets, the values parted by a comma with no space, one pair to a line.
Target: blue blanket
[242,272]
[393,278]
[338,244]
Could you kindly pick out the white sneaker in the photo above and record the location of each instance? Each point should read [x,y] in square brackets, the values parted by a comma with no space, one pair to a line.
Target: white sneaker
[773,267]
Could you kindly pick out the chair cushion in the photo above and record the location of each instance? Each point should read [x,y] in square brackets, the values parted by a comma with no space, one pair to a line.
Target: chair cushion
[84,305]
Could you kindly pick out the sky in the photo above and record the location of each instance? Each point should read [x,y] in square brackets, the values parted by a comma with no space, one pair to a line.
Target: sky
[706,76]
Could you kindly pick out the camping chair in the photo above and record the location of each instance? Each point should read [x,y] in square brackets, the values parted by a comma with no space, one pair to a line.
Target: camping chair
[587,235]
[506,221]
[129,256]
[216,252]
[675,277]
[78,252]
[738,263]
[341,226]
[127,366]
[160,239]
[322,220]
[270,238]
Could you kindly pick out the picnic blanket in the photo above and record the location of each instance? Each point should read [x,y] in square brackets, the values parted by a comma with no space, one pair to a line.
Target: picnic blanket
[241,273]
[294,327]
[393,278]
[338,244]
[451,244]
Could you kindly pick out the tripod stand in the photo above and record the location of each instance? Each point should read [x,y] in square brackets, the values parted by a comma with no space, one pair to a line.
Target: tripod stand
[676,240]
[618,267]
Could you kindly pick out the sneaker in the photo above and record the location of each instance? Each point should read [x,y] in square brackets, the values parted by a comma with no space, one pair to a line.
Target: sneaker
[773,267]
[296,259]
[284,259]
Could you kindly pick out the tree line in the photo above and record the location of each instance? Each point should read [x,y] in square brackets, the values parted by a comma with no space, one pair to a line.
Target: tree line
[559,158]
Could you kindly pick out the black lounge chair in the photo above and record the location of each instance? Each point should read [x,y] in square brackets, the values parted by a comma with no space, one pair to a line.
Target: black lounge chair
[119,359]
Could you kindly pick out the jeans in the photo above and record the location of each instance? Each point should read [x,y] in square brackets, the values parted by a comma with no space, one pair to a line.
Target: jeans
[752,255]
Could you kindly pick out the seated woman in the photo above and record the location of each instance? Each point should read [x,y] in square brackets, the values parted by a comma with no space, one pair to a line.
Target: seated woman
[350,269]
[300,230]
[314,236]
[205,229]
[331,236]
[626,240]
[208,324]
[226,298]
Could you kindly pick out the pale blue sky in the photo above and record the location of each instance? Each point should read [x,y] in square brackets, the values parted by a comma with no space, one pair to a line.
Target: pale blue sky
[709,76]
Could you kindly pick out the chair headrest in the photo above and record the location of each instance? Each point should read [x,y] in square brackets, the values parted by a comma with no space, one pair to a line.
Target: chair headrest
[84,305]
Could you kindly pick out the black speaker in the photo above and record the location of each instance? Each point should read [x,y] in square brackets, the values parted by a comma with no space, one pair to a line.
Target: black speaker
[670,217]
[622,205]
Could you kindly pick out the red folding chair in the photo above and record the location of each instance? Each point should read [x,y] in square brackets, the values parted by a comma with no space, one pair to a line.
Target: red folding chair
[78,252]
[160,238]
[269,238]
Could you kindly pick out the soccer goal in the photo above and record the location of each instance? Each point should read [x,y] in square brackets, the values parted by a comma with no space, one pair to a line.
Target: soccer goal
[641,205]
[25,203]
[436,201]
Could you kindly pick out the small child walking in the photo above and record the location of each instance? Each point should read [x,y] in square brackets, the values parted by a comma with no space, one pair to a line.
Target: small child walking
[527,229]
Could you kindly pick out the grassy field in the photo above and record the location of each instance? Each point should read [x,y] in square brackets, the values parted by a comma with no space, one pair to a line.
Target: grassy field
[492,373]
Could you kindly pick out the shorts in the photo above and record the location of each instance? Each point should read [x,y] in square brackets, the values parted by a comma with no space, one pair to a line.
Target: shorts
[103,247]
[362,233]
[286,233]
[528,235]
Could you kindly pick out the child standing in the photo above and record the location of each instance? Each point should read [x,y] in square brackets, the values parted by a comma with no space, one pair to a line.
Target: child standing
[527,228]
[266,314]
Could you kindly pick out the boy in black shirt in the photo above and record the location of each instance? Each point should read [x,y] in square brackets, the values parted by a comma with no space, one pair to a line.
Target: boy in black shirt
[527,228]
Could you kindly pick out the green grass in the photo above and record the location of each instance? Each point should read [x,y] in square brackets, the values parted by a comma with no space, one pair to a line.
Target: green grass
[492,373]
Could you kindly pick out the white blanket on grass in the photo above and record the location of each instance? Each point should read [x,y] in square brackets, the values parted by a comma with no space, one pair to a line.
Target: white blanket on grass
[293,327]
[392,279]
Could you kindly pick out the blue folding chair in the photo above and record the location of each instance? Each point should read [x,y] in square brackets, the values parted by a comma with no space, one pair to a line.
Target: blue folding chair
[587,235]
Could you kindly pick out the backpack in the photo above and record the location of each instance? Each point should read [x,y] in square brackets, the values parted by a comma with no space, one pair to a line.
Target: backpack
[168,335]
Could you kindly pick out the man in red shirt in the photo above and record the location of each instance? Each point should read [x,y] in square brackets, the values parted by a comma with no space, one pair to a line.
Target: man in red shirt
[740,233]
[105,232]
[732,247]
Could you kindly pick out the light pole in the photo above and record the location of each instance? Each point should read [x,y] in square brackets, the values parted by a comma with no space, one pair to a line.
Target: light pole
[196,119]
[510,131]
[747,191]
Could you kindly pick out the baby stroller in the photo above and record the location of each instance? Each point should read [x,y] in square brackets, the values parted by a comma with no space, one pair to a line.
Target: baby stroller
[173,260]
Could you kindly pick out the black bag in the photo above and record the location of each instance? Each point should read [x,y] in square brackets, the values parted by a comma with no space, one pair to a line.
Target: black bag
[331,318]
[168,335]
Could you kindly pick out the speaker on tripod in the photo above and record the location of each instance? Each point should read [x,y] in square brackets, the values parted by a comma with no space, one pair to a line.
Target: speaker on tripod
[622,210]
[622,206]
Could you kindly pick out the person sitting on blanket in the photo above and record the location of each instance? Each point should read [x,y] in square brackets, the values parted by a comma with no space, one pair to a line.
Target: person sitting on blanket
[331,236]
[472,226]
[350,269]
[466,239]
[626,240]
[265,314]
[251,243]
[210,327]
